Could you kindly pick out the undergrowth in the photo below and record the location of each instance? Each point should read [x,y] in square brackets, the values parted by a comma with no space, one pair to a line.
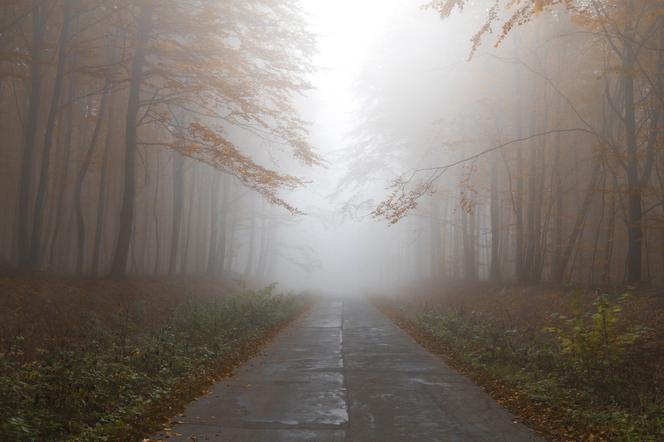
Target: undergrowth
[102,387]
[591,366]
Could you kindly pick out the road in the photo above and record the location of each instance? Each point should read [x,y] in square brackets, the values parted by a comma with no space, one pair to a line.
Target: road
[344,372]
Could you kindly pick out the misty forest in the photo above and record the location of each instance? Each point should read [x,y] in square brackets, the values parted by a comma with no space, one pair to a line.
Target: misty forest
[350,220]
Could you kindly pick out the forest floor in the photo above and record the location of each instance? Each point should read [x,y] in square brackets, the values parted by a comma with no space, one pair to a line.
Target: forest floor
[577,365]
[48,311]
[105,359]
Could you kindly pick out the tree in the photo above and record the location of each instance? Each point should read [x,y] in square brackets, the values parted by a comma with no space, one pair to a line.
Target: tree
[29,144]
[210,84]
[633,30]
[231,66]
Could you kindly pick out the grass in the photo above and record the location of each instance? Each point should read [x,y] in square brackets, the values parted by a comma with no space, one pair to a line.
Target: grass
[591,374]
[120,383]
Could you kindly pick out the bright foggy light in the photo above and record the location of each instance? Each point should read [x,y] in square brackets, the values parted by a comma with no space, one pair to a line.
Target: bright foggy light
[345,30]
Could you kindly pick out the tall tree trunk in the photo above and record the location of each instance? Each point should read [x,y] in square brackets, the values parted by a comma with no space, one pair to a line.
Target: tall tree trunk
[80,177]
[434,243]
[518,199]
[557,269]
[542,225]
[598,230]
[102,196]
[518,211]
[231,242]
[610,233]
[126,220]
[61,186]
[634,192]
[189,226]
[155,217]
[468,229]
[556,179]
[536,176]
[262,251]
[266,240]
[213,252]
[23,210]
[178,201]
[457,259]
[530,242]
[270,255]
[223,226]
[42,186]
[252,239]
[581,217]
[494,207]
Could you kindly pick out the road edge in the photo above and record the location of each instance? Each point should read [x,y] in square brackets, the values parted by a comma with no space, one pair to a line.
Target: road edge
[526,412]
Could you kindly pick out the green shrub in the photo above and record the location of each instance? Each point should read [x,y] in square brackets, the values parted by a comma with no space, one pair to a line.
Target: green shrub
[591,365]
[94,391]
[594,347]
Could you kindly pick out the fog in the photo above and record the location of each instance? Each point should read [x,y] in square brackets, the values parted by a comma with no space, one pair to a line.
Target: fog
[338,147]
[401,90]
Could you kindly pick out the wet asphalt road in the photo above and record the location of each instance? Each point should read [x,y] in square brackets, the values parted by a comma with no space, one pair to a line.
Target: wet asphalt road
[344,372]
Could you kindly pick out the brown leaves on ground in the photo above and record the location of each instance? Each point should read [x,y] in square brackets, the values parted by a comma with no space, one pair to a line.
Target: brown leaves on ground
[527,309]
[54,311]
[530,308]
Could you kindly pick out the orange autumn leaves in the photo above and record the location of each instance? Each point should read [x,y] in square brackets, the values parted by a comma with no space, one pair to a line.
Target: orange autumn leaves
[219,84]
[211,148]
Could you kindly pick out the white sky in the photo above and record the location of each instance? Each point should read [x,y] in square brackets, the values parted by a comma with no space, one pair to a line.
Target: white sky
[346,31]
